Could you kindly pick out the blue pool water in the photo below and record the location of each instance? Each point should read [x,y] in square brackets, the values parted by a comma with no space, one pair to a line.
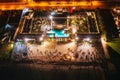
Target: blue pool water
[57,33]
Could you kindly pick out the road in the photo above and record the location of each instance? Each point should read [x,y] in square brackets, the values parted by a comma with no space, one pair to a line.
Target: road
[45,5]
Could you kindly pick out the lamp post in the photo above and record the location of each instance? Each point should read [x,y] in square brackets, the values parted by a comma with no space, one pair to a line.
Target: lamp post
[51,17]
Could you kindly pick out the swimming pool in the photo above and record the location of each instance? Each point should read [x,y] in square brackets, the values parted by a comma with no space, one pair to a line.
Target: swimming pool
[57,33]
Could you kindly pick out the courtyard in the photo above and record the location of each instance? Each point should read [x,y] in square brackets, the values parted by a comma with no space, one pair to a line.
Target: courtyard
[57,37]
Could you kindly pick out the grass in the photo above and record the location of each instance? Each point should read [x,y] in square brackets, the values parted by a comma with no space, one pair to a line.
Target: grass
[115,44]
[114,61]
[5,51]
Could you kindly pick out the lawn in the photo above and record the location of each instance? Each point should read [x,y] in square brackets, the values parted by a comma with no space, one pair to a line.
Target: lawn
[115,44]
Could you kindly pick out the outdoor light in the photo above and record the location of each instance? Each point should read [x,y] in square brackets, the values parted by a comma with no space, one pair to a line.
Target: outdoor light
[31,15]
[68,16]
[25,10]
[26,39]
[76,38]
[8,26]
[89,13]
[87,39]
[51,17]
[11,45]
[68,57]
[73,7]
[42,35]
[41,38]
[74,30]
[45,43]
[53,13]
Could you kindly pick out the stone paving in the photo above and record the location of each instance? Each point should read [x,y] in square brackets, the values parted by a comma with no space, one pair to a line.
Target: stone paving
[53,52]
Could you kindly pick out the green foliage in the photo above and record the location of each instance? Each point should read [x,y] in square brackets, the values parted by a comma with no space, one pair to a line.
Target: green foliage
[107,24]
[101,23]
[5,51]
[1,29]
[38,23]
[115,44]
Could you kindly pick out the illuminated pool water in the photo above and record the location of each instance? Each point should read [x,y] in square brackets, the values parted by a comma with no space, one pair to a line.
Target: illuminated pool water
[57,33]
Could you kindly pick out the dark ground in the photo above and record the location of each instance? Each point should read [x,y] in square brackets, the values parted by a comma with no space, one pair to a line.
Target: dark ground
[114,61]
[35,71]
